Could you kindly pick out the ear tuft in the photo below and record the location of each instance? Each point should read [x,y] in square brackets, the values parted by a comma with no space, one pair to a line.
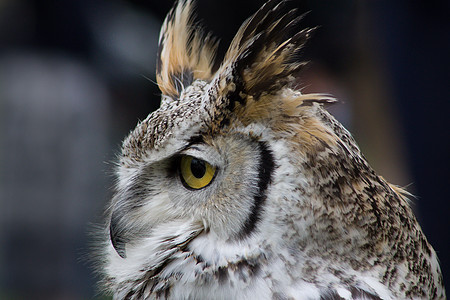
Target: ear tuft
[185,53]
[264,54]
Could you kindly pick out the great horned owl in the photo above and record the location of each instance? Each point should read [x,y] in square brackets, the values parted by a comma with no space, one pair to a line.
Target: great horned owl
[241,187]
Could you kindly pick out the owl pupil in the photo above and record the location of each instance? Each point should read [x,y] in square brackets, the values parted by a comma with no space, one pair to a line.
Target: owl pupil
[198,168]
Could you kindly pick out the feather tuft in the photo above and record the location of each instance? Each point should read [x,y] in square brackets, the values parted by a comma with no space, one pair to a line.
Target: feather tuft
[185,52]
[263,56]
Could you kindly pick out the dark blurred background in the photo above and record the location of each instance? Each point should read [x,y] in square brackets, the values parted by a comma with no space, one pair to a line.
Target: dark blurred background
[77,75]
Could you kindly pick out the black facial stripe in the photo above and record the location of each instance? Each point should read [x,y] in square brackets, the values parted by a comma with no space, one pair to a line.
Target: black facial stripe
[265,169]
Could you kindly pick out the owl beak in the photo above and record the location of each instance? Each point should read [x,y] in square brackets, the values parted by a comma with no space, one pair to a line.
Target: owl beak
[117,239]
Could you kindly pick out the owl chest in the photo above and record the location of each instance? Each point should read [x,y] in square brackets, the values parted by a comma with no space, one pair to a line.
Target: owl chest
[194,278]
[252,278]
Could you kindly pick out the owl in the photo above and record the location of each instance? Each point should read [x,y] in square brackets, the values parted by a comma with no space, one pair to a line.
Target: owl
[242,187]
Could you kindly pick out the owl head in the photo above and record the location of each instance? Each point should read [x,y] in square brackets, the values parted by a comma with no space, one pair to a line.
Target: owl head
[236,163]
[206,156]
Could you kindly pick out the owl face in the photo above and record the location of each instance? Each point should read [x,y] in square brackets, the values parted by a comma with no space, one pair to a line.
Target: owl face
[218,180]
[240,186]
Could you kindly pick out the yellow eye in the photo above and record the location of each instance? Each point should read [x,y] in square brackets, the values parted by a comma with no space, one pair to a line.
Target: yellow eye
[196,173]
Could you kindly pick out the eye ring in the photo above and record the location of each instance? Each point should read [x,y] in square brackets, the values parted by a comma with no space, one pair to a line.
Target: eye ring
[195,173]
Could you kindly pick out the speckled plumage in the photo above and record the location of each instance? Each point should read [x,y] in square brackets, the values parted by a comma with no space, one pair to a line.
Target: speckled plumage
[294,210]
